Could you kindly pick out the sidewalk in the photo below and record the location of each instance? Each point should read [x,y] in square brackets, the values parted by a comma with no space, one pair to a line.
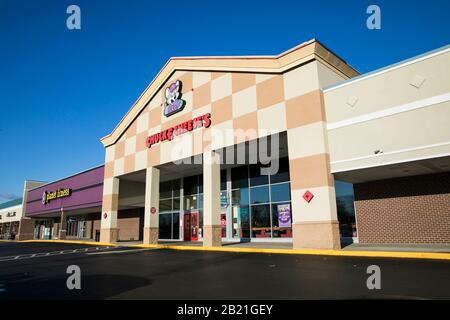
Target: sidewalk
[433,252]
[233,244]
[399,247]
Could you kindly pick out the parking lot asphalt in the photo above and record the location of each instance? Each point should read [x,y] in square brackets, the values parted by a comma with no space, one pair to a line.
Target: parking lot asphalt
[127,273]
[8,249]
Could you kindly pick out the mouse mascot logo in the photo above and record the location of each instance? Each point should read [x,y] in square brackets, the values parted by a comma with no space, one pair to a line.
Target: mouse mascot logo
[173,103]
[44,198]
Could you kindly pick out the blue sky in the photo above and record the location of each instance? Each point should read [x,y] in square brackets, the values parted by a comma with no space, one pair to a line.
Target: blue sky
[62,90]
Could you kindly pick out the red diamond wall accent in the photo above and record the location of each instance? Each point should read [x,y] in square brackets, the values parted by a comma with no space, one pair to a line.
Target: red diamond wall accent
[308,196]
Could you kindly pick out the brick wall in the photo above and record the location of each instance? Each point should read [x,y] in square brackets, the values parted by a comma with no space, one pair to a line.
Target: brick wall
[130,224]
[413,210]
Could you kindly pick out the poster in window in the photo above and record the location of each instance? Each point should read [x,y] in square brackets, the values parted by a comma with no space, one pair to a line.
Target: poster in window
[284,215]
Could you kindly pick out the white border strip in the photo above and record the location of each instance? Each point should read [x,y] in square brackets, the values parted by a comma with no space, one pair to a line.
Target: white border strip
[388,69]
[393,152]
[17,206]
[427,102]
[390,162]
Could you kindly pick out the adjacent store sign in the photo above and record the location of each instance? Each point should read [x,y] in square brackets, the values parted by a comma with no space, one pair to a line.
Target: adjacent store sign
[284,215]
[52,195]
[179,129]
[11,214]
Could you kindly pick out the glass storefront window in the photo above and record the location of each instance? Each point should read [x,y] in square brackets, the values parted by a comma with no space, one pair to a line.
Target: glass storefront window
[346,209]
[176,225]
[240,197]
[190,185]
[283,172]
[169,207]
[280,192]
[256,179]
[165,226]
[251,204]
[260,218]
[200,201]
[200,183]
[223,180]
[259,195]
[239,177]
[224,201]
[165,205]
[165,190]
[255,199]
[190,202]
[176,187]
[176,204]
[244,214]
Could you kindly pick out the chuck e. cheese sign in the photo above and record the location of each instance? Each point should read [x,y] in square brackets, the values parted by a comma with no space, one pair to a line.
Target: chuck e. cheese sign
[174,104]
[179,129]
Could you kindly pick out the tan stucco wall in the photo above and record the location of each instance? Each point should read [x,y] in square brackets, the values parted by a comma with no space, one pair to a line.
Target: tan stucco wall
[264,103]
[259,104]
[385,111]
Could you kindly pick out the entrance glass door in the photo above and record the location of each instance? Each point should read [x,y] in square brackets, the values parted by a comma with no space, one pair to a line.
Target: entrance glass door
[187,227]
[194,226]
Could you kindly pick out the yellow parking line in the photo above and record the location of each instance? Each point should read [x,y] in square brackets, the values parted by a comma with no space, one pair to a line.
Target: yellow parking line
[74,242]
[340,253]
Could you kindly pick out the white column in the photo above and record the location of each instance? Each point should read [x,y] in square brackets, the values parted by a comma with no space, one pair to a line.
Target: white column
[151,213]
[110,207]
[212,231]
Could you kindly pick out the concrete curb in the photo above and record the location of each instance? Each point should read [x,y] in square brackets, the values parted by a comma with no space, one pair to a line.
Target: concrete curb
[318,252]
[337,253]
[72,242]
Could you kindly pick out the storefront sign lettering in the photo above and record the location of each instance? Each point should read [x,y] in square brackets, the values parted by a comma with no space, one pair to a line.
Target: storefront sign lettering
[187,126]
[52,195]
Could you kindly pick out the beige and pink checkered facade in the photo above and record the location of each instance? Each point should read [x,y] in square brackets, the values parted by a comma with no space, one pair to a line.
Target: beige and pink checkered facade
[257,95]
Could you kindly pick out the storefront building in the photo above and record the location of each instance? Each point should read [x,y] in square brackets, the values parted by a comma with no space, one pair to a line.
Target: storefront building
[182,140]
[70,208]
[295,148]
[10,214]
[389,135]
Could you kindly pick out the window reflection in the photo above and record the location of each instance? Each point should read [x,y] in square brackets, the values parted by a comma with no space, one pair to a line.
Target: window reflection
[346,209]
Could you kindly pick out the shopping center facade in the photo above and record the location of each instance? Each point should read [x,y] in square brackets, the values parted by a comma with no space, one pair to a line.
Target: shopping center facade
[259,149]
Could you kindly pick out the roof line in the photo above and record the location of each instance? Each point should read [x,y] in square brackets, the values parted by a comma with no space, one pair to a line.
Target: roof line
[67,177]
[390,67]
[274,64]
[11,203]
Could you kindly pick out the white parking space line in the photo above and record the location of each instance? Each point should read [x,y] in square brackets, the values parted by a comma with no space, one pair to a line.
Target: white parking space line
[121,251]
[53,253]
